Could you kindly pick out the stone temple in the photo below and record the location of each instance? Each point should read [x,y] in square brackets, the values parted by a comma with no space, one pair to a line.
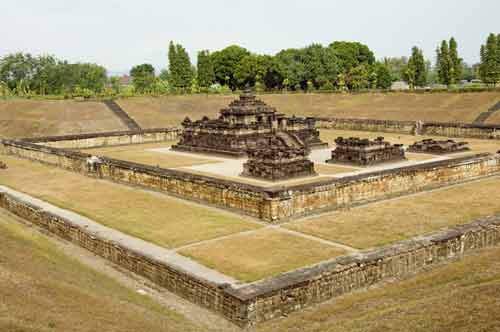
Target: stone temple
[278,157]
[438,147]
[241,125]
[365,152]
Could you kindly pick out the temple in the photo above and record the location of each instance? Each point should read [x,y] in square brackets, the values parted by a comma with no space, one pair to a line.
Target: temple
[278,157]
[240,126]
[438,147]
[364,152]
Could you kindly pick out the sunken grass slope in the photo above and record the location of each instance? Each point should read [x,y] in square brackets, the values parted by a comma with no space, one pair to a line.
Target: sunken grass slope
[43,289]
[443,107]
[32,118]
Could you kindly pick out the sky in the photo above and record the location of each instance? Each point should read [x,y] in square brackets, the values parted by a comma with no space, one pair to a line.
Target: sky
[121,34]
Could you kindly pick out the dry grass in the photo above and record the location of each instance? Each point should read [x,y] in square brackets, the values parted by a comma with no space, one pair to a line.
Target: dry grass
[385,222]
[460,297]
[140,154]
[331,169]
[446,107]
[476,145]
[154,217]
[44,290]
[31,118]
[260,254]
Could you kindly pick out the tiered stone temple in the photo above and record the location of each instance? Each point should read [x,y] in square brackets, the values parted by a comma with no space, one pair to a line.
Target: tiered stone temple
[240,126]
[364,152]
[438,147]
[278,157]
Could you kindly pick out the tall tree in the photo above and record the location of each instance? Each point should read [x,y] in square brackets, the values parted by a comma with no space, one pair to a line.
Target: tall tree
[143,77]
[206,73]
[180,69]
[443,64]
[415,72]
[489,68]
[455,62]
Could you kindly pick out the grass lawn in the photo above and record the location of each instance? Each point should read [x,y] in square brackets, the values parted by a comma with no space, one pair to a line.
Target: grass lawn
[389,221]
[139,153]
[43,290]
[257,255]
[331,169]
[34,118]
[460,297]
[154,217]
[446,107]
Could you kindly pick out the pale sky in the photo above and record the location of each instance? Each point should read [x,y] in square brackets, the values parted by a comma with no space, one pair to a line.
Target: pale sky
[120,34]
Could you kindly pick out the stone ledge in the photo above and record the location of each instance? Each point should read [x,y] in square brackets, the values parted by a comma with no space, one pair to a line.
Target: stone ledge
[43,139]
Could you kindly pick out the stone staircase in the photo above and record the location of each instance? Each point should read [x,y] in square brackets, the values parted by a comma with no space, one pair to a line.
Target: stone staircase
[481,119]
[290,139]
[122,115]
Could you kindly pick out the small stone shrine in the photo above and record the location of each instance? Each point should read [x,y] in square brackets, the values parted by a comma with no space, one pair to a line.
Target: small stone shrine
[277,157]
[240,126]
[365,152]
[438,147]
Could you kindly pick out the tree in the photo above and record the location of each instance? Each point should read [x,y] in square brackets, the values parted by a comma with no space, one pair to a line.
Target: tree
[384,78]
[443,64]
[489,68]
[455,62]
[294,70]
[143,77]
[206,73]
[415,72]
[351,54]
[396,67]
[181,72]
[448,64]
[358,77]
[225,62]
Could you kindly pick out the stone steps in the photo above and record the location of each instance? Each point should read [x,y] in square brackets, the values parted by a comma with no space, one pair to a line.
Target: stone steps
[122,115]
[485,115]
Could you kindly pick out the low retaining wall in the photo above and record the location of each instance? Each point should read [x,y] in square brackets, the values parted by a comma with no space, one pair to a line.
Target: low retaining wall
[466,130]
[207,294]
[95,140]
[386,126]
[459,130]
[273,204]
[252,303]
[299,289]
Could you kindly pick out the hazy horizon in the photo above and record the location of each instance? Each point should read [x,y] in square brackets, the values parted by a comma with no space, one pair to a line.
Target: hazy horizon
[121,34]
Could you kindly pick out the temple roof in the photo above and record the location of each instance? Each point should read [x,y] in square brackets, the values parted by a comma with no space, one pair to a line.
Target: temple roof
[247,104]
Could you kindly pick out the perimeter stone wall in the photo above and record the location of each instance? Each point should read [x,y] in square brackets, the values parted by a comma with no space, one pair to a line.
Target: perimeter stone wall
[86,141]
[272,204]
[250,304]
[459,130]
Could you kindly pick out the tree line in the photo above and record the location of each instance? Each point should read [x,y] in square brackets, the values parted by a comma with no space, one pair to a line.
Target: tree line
[23,74]
[341,65]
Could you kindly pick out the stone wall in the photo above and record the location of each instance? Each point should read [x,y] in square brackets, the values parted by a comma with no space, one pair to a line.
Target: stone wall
[302,288]
[85,141]
[466,130]
[358,189]
[460,130]
[250,304]
[386,126]
[199,291]
[272,204]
